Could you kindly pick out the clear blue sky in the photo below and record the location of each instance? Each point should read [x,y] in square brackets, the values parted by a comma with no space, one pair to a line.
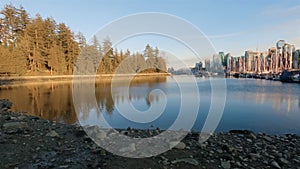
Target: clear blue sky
[231,25]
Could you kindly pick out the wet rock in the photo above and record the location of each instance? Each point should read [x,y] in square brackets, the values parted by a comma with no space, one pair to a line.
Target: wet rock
[226,164]
[13,125]
[186,160]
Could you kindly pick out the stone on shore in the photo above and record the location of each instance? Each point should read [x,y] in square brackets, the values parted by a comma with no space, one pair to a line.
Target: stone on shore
[177,145]
[13,125]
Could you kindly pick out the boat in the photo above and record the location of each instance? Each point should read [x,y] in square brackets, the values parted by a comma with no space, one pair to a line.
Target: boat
[295,78]
[290,76]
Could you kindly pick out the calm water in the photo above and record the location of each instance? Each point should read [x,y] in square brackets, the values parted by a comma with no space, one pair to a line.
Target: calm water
[258,105]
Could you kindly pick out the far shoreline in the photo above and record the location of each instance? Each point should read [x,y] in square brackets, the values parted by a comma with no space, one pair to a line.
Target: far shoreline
[8,80]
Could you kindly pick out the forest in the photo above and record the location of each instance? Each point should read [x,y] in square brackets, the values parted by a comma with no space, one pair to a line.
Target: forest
[40,46]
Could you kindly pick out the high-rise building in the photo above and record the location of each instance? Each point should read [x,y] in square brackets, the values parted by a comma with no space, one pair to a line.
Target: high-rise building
[207,64]
[251,60]
[228,62]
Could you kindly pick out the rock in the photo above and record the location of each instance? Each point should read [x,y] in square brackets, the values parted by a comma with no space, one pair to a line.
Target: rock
[52,133]
[165,162]
[296,161]
[79,133]
[267,138]
[275,164]
[177,145]
[12,125]
[249,140]
[238,164]
[130,148]
[13,118]
[22,117]
[202,145]
[284,161]
[245,132]
[252,136]
[186,160]
[5,104]
[254,156]
[220,151]
[226,164]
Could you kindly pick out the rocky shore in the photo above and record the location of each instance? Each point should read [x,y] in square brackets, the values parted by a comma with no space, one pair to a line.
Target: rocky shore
[32,142]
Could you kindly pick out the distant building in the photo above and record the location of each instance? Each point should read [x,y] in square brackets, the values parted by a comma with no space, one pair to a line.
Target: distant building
[207,64]
[228,62]
[251,60]
[198,68]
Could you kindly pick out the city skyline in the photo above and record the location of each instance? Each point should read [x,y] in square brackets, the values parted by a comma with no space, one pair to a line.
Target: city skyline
[231,26]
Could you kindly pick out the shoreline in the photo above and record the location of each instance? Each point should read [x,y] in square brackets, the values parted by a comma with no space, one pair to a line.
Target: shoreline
[31,142]
[79,76]
[67,78]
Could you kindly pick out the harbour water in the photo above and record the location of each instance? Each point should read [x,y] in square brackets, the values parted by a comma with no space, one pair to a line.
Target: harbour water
[259,105]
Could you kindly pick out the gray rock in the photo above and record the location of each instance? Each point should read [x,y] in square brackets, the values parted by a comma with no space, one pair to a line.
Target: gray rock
[220,151]
[275,164]
[252,136]
[186,160]
[13,118]
[22,117]
[254,156]
[130,148]
[267,138]
[296,161]
[165,162]
[284,161]
[12,125]
[238,164]
[52,133]
[226,164]
[177,145]
[5,104]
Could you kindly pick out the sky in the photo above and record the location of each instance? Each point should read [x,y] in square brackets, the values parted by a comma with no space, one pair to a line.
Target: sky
[228,25]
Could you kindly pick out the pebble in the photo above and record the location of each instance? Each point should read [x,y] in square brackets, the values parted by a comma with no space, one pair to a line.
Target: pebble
[275,164]
[52,133]
[13,125]
[177,145]
[186,160]
[254,156]
[226,164]
[130,148]
[267,138]
[284,161]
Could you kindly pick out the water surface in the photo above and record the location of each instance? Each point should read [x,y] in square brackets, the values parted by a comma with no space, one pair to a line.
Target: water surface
[259,105]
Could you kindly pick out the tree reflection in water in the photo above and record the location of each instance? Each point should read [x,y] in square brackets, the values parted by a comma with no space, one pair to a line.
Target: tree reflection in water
[53,100]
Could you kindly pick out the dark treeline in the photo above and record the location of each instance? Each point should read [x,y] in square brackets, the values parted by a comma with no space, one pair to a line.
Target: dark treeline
[38,46]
